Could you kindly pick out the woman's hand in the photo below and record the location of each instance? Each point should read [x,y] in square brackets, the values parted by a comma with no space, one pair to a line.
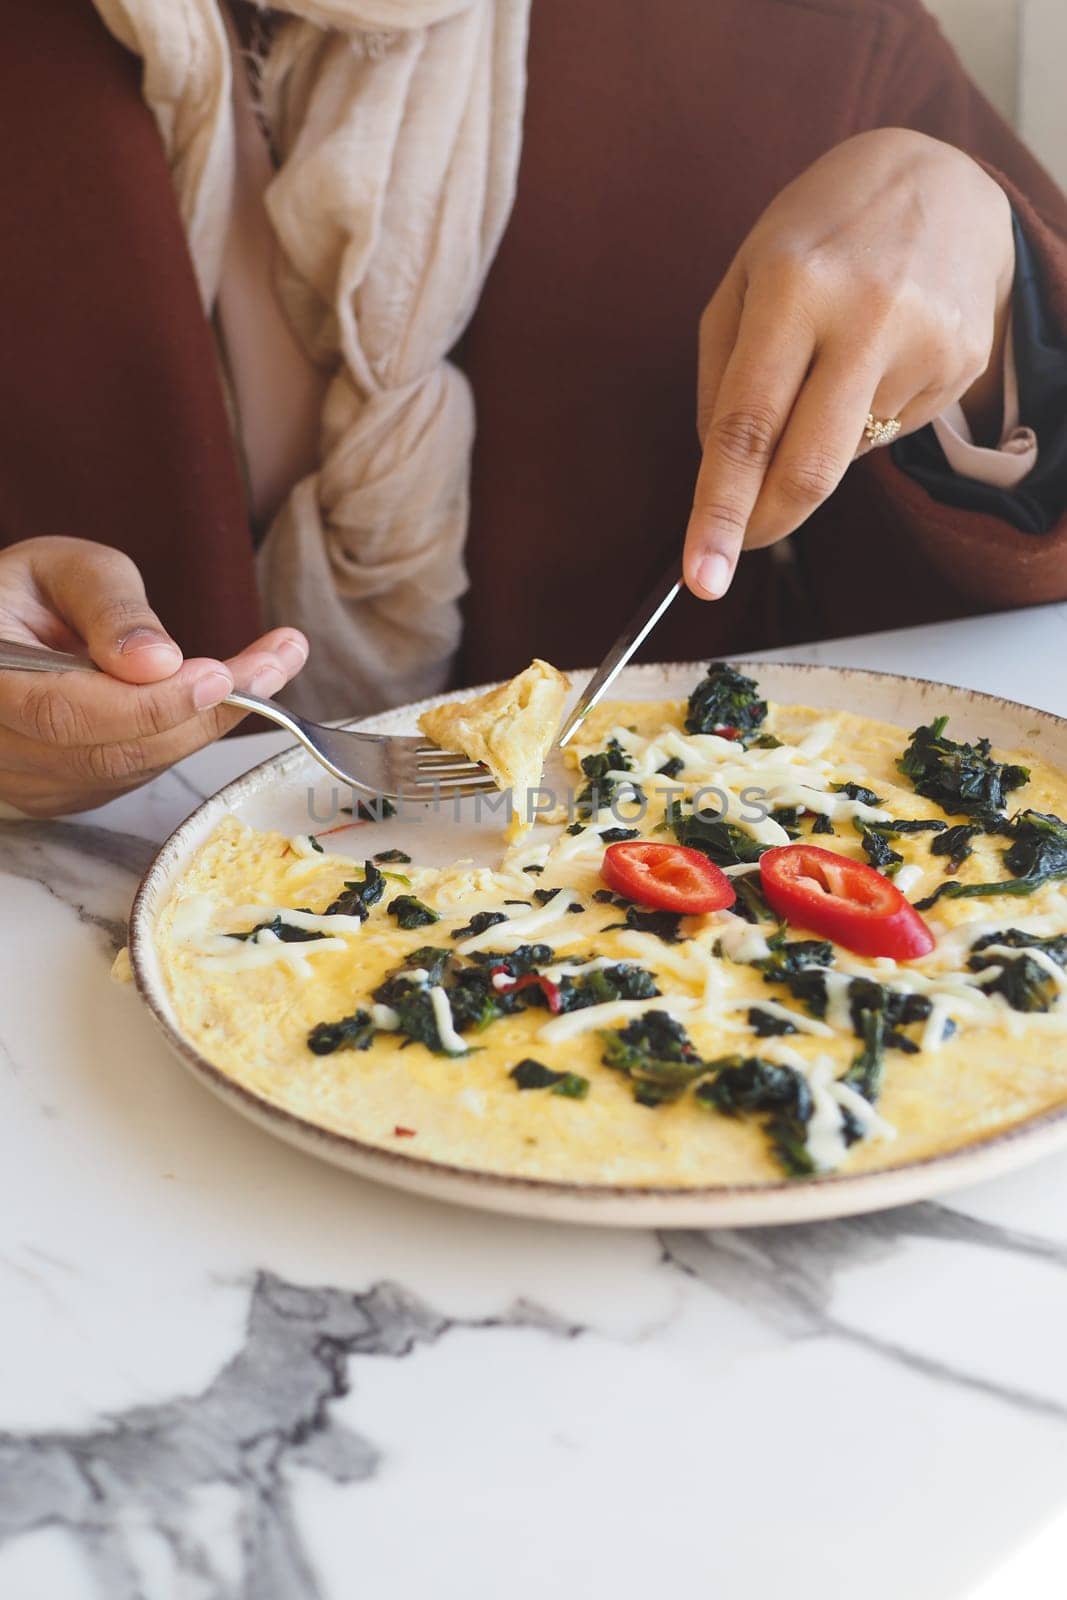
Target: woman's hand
[878,282]
[72,740]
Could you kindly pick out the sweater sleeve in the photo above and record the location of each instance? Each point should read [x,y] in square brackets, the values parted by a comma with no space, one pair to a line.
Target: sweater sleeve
[980,551]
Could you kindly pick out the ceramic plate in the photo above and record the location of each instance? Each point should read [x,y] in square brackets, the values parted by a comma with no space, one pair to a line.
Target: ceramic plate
[278,795]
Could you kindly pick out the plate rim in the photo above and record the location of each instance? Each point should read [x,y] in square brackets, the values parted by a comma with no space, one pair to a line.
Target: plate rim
[561,1198]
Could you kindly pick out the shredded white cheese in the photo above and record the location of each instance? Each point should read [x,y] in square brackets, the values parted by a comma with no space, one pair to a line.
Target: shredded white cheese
[442,1015]
[552,915]
[909,877]
[574,1023]
[800,1019]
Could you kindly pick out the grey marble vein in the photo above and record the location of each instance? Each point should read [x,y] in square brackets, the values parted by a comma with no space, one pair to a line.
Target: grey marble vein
[181,778]
[61,858]
[786,1277]
[265,1413]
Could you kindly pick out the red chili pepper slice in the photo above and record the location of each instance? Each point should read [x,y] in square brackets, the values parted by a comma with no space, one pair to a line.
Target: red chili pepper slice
[529,980]
[667,877]
[844,900]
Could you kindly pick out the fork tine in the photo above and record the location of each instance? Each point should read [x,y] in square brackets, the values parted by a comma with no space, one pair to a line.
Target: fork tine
[429,794]
[463,769]
[439,759]
[464,785]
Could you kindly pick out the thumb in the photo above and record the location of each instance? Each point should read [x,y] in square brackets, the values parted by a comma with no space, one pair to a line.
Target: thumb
[100,594]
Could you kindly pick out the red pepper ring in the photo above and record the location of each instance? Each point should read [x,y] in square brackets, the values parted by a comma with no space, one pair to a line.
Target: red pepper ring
[529,980]
[843,900]
[667,877]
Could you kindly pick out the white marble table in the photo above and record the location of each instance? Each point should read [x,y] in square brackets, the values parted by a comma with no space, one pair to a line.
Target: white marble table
[228,1371]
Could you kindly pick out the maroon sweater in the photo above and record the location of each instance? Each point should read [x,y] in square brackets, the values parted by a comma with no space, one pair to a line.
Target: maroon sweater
[656,133]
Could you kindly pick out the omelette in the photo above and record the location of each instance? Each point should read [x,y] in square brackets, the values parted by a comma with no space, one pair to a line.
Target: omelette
[510,729]
[525,1017]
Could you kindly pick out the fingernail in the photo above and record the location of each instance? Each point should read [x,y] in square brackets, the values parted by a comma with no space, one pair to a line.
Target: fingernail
[148,639]
[268,680]
[211,690]
[291,655]
[713,574]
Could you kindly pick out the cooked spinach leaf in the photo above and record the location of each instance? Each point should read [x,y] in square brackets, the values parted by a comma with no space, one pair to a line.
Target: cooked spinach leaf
[530,1074]
[751,904]
[856,791]
[350,1033]
[956,843]
[1038,851]
[1036,856]
[399,856]
[799,964]
[285,931]
[893,829]
[1026,984]
[618,835]
[962,778]
[603,770]
[868,1068]
[768,1026]
[417,1021]
[665,925]
[879,851]
[898,1008]
[1055,945]
[627,981]
[358,895]
[671,768]
[747,1086]
[722,842]
[476,1003]
[1023,982]
[725,698]
[411,913]
[787,817]
[543,896]
[526,958]
[480,921]
[822,824]
[430,959]
[656,1054]
[790,957]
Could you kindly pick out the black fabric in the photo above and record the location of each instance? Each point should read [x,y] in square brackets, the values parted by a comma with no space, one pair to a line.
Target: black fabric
[1036,504]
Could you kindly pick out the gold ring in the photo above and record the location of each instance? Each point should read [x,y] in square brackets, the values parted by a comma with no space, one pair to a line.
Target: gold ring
[878,432]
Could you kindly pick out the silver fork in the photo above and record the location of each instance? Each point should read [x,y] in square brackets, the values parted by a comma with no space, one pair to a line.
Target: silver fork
[388,766]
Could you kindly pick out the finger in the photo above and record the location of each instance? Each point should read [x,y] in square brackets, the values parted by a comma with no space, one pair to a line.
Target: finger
[895,401]
[270,662]
[99,593]
[83,709]
[718,335]
[752,407]
[263,668]
[818,446]
[128,758]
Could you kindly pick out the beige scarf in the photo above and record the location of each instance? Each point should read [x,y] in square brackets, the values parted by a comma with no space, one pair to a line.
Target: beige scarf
[397,125]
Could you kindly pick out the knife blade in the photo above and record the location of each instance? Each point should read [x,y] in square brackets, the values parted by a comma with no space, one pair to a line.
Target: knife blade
[632,636]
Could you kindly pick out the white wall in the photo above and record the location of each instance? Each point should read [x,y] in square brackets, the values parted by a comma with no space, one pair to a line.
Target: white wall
[986,34]
[1017,51]
[1043,78]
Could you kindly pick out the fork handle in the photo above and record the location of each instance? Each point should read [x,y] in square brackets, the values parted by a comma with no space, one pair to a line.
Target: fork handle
[35,658]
